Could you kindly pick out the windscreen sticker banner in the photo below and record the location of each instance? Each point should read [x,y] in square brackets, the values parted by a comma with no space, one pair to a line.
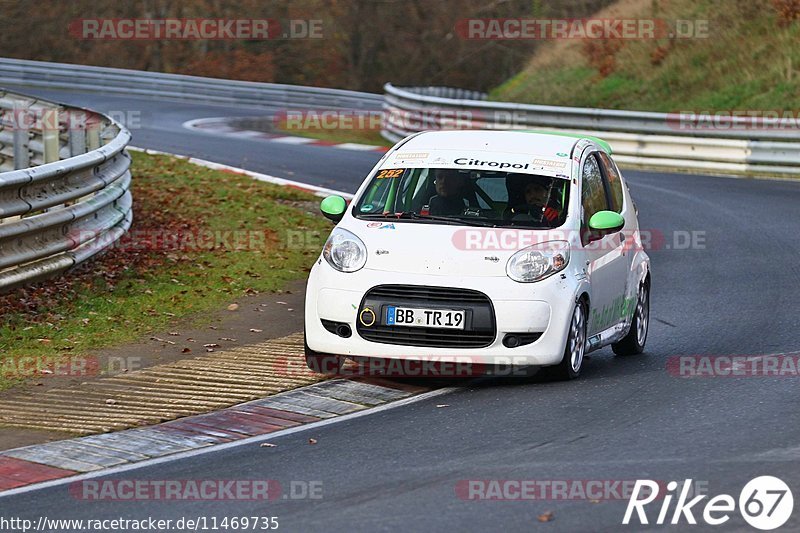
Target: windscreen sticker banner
[390,173]
[494,165]
[402,157]
[549,163]
[492,162]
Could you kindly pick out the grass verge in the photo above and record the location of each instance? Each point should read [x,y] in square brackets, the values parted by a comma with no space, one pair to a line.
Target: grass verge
[201,238]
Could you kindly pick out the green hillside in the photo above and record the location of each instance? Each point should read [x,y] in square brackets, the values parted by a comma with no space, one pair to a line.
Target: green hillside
[750,59]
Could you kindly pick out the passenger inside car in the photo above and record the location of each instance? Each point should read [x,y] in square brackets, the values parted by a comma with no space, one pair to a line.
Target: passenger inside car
[539,203]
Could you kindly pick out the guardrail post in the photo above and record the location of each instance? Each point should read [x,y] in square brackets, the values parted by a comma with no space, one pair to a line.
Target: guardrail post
[93,134]
[76,128]
[50,136]
[77,124]
[51,139]
[22,157]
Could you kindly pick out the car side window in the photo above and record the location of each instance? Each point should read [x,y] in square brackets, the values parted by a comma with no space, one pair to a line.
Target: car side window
[593,196]
[614,181]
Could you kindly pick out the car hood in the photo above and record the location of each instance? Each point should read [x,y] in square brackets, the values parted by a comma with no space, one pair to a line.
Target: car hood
[439,249]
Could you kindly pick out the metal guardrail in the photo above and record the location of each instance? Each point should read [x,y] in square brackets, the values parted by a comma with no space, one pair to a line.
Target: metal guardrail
[64,187]
[447,92]
[24,73]
[645,139]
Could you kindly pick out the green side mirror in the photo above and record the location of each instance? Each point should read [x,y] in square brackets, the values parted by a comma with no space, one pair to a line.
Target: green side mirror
[333,207]
[606,221]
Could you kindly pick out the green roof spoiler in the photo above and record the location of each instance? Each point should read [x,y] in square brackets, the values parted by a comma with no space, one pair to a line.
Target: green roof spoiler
[600,142]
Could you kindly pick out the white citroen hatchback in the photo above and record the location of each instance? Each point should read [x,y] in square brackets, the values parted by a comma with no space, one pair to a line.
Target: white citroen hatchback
[494,247]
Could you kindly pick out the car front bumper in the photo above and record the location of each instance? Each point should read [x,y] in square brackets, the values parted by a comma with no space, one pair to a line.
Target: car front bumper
[543,307]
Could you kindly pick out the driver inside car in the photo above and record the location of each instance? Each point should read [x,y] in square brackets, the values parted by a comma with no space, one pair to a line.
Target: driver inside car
[538,203]
[450,191]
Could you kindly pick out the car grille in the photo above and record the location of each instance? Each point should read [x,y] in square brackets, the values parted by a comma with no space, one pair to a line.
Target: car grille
[480,313]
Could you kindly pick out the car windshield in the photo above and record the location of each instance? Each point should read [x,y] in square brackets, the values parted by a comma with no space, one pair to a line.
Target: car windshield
[469,197]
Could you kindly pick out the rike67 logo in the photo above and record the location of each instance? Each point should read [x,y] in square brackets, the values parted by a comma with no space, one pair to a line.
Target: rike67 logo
[765,502]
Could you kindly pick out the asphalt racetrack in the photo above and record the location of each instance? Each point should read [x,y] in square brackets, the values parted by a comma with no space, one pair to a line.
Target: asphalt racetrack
[725,282]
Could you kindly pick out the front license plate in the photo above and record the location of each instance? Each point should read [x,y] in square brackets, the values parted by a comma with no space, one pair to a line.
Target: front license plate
[424,318]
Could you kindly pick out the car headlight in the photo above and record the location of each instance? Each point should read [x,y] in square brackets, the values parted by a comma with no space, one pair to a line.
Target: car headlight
[539,261]
[344,251]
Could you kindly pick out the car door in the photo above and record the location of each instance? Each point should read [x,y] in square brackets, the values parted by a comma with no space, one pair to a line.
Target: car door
[606,257]
[616,197]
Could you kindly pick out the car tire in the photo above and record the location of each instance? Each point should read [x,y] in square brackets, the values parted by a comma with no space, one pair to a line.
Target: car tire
[321,363]
[575,350]
[633,343]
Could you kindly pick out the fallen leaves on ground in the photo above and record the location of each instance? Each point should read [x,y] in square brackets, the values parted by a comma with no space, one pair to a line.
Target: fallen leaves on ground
[155,216]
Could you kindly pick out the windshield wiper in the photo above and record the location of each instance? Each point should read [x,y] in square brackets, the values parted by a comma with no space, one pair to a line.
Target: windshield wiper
[410,215]
[407,215]
[375,215]
[451,220]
